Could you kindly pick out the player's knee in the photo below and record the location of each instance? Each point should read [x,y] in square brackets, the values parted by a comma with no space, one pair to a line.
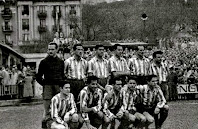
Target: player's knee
[107,120]
[143,119]
[75,118]
[166,107]
[132,118]
[57,126]
[150,119]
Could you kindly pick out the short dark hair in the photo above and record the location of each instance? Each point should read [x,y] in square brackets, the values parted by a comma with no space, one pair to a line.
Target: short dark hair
[91,78]
[98,46]
[63,83]
[76,45]
[113,80]
[157,52]
[133,77]
[53,43]
[116,46]
[150,77]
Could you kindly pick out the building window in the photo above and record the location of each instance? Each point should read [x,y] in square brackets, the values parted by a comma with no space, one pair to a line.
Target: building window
[72,10]
[42,22]
[25,10]
[25,24]
[42,8]
[8,38]
[7,25]
[12,62]
[26,37]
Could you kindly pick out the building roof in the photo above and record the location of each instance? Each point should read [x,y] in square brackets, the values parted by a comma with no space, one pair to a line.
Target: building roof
[131,43]
[49,0]
[94,43]
[35,55]
[5,47]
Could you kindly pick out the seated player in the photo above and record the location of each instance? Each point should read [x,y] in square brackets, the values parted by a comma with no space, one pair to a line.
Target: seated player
[154,102]
[63,110]
[131,104]
[90,104]
[112,103]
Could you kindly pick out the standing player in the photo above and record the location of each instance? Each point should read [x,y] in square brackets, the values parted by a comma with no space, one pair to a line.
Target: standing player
[117,64]
[98,66]
[50,74]
[139,65]
[76,70]
[159,68]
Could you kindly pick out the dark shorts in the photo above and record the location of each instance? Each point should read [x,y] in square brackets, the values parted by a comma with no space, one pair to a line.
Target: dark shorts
[139,108]
[50,91]
[150,110]
[76,86]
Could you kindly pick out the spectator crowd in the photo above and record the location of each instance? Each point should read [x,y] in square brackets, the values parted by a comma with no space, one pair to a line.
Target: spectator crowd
[18,79]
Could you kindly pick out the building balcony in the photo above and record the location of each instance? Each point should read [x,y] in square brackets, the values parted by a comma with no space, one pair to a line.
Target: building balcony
[54,14]
[7,29]
[42,29]
[42,14]
[6,14]
[56,29]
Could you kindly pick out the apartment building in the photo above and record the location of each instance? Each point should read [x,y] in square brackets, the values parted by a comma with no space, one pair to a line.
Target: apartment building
[24,21]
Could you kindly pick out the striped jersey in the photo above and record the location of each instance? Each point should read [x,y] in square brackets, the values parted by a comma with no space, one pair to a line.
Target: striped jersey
[139,66]
[75,69]
[116,64]
[98,67]
[130,98]
[89,99]
[152,97]
[113,102]
[60,105]
[161,71]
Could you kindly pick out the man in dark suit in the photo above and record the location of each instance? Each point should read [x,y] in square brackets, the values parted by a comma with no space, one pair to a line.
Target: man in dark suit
[50,75]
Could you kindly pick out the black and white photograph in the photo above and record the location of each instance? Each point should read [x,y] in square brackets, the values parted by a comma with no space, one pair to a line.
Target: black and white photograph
[98,64]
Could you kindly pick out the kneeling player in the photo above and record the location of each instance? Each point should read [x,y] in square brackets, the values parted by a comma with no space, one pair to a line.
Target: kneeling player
[112,103]
[63,110]
[154,102]
[131,100]
[90,104]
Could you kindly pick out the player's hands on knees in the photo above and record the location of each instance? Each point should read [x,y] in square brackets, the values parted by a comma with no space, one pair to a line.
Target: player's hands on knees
[131,117]
[112,117]
[157,110]
[94,110]
[119,114]
[126,113]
